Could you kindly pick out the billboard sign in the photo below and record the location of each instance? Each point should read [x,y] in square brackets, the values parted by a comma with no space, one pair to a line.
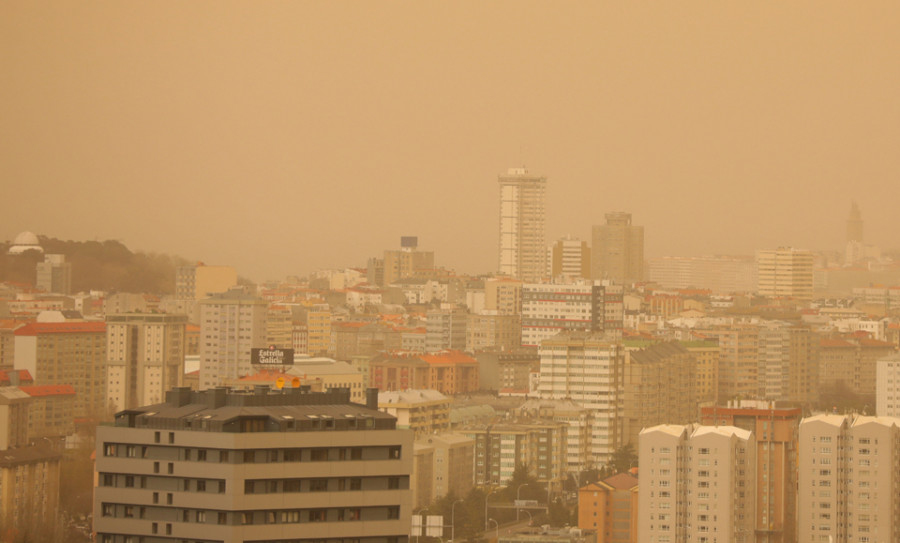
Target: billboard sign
[272,357]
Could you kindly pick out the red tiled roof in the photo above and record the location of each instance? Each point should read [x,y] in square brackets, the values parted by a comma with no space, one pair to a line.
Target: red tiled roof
[48,390]
[622,481]
[835,343]
[24,376]
[448,357]
[35,328]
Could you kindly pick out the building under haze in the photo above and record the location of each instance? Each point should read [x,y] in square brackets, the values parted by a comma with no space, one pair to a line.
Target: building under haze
[198,282]
[220,466]
[54,274]
[231,324]
[570,258]
[618,250]
[588,369]
[785,273]
[405,262]
[145,357]
[522,249]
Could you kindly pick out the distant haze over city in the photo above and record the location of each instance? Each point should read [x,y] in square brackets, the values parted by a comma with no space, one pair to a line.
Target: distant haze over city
[284,138]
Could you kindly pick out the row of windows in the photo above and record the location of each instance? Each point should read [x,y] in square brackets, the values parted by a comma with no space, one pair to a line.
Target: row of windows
[305,454]
[292,516]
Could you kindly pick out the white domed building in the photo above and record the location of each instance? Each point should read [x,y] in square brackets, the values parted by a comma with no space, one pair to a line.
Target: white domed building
[26,241]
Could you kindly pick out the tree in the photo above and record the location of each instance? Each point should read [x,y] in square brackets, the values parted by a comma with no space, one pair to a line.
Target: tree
[624,459]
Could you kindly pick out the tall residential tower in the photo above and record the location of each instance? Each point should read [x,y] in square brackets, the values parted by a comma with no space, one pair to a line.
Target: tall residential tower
[618,250]
[522,250]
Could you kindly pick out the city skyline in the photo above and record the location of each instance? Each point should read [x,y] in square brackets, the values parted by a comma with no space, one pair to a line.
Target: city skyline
[283,139]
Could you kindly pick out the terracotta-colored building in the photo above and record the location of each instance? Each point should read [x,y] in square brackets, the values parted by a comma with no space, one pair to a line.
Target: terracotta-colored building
[610,507]
[777,431]
[449,372]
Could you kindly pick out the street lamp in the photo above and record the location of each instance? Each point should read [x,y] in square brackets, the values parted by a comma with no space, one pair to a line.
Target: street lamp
[453,520]
[530,518]
[485,508]
[497,524]
[518,495]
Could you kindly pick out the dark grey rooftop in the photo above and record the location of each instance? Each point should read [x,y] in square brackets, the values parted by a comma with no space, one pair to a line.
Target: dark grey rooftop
[259,410]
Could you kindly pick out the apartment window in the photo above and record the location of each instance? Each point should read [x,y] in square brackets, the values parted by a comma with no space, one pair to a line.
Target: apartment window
[318,485]
[318,455]
[221,487]
[393,512]
[223,457]
[156,467]
[156,497]
[318,515]
[249,457]
[168,498]
[109,449]
[201,485]
[246,518]
[154,528]
[171,468]
[171,438]
[222,518]
[156,437]
[201,516]
[201,455]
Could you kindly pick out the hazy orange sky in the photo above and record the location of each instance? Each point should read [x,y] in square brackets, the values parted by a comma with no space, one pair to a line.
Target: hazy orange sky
[284,137]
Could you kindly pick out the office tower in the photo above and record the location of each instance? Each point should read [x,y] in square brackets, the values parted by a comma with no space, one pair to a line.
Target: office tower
[785,273]
[67,353]
[590,370]
[610,508]
[697,484]
[776,431]
[54,274]
[445,328]
[570,258]
[854,224]
[659,388]
[887,393]
[720,274]
[548,309]
[849,479]
[145,357]
[231,324]
[407,261]
[618,250]
[221,466]
[522,249]
[198,282]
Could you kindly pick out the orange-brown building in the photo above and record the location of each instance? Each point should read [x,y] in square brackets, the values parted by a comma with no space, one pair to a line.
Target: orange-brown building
[50,411]
[449,372]
[777,432]
[610,507]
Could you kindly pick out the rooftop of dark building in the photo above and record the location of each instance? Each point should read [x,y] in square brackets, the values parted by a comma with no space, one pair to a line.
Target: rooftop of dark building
[259,410]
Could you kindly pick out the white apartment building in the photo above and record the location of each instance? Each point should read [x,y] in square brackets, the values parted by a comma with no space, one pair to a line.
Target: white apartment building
[522,251]
[785,273]
[887,386]
[589,370]
[145,357]
[548,309]
[231,324]
[849,479]
[697,484]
